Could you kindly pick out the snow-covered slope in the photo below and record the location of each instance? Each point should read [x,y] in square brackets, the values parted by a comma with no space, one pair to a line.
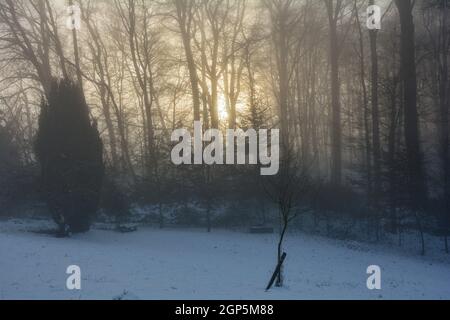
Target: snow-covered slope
[192,264]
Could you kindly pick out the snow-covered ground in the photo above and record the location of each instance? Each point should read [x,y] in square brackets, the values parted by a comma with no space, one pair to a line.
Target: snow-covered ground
[193,264]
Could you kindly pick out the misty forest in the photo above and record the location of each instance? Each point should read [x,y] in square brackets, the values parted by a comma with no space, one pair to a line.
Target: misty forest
[92,90]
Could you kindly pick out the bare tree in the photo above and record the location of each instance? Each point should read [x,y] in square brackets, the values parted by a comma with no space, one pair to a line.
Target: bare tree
[289,191]
[22,23]
[185,16]
[141,45]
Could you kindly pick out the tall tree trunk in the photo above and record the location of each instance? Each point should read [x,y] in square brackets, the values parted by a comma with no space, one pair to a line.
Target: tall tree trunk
[44,36]
[365,105]
[444,107]
[281,11]
[76,54]
[336,130]
[184,10]
[416,176]
[392,146]
[109,127]
[58,45]
[376,145]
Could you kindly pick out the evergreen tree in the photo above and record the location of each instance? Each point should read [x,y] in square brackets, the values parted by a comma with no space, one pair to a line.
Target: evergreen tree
[9,165]
[70,152]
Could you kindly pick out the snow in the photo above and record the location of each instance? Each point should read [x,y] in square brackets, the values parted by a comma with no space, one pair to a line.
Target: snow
[194,264]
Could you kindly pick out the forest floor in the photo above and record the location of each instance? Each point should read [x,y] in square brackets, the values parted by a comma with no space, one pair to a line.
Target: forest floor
[193,264]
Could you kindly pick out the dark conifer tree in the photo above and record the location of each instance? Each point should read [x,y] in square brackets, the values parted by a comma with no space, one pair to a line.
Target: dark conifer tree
[9,165]
[70,152]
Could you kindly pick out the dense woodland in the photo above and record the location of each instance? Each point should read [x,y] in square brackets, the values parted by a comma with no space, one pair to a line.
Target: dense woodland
[363,114]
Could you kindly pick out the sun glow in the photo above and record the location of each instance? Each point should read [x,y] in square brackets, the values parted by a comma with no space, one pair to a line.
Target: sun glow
[222,107]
